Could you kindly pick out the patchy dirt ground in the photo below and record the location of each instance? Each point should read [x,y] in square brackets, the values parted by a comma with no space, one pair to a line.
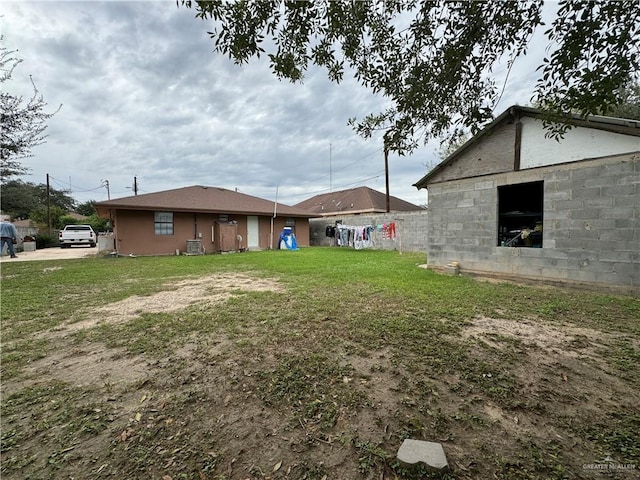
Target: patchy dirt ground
[247,405]
[82,367]
[205,291]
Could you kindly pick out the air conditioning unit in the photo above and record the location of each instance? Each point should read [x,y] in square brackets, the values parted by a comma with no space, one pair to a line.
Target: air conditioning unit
[194,247]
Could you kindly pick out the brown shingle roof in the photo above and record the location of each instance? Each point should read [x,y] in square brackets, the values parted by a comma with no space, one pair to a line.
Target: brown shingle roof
[199,198]
[355,200]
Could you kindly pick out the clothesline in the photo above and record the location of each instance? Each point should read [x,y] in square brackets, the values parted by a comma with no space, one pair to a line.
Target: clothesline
[360,236]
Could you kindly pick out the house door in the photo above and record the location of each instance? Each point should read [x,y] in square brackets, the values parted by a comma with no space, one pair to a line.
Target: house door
[253,232]
[226,237]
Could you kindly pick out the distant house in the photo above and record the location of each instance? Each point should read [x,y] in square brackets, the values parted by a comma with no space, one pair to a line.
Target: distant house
[365,206]
[354,201]
[200,219]
[514,203]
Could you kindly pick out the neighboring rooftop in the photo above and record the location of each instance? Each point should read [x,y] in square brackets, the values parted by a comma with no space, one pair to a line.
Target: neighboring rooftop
[354,200]
[199,198]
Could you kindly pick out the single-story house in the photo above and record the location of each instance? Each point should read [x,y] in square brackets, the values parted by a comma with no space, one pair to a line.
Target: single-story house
[200,219]
[515,203]
[354,201]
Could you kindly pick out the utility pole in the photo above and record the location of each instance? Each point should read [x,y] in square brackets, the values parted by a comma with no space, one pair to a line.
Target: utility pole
[135,185]
[330,173]
[49,205]
[105,183]
[275,211]
[386,174]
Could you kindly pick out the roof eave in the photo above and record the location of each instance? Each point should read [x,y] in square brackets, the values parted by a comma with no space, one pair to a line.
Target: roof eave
[611,124]
[148,208]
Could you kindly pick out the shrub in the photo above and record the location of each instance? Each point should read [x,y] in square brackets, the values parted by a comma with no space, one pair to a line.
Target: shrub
[45,240]
[98,224]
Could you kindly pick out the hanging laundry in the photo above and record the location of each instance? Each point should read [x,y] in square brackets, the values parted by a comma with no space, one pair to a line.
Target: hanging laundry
[357,237]
[389,231]
[392,230]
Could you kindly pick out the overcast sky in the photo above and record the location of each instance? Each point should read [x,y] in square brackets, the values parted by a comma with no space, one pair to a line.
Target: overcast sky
[144,95]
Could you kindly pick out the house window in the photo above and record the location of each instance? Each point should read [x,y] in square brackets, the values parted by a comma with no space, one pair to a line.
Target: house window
[520,209]
[290,222]
[163,223]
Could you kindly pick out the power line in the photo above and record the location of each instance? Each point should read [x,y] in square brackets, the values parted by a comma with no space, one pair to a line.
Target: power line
[362,158]
[323,177]
[325,190]
[75,187]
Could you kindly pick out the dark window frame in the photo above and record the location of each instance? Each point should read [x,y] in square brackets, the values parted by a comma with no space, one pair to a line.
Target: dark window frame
[163,223]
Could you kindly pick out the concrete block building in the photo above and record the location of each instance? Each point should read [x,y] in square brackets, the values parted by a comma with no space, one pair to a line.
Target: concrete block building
[514,203]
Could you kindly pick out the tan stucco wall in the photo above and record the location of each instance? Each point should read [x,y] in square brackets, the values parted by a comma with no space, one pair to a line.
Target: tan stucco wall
[135,232]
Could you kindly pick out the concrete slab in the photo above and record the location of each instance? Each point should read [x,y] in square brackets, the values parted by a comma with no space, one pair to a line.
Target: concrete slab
[54,253]
[432,454]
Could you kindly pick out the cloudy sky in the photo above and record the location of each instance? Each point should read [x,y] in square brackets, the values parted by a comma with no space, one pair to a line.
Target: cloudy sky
[144,95]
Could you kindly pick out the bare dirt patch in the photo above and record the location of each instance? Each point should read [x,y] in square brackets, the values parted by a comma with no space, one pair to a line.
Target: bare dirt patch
[88,366]
[548,337]
[553,363]
[207,290]
[114,367]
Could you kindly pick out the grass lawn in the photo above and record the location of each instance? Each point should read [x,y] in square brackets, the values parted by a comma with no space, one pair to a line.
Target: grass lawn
[313,364]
